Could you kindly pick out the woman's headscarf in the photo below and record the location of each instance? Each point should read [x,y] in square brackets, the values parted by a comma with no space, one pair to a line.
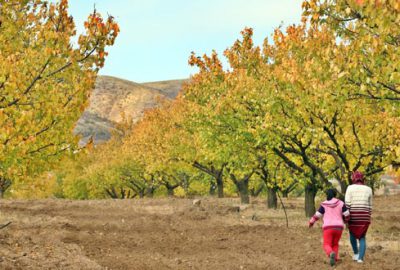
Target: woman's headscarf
[357,177]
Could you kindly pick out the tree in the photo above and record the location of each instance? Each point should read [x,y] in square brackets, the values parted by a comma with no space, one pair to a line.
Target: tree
[205,86]
[321,133]
[231,110]
[45,81]
[370,62]
[162,147]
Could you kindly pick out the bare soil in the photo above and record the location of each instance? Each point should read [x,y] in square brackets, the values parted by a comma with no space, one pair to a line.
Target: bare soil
[175,234]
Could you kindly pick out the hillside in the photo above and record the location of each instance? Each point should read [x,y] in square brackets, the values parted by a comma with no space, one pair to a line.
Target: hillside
[168,88]
[113,97]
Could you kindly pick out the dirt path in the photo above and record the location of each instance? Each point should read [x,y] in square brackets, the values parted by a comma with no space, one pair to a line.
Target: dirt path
[175,234]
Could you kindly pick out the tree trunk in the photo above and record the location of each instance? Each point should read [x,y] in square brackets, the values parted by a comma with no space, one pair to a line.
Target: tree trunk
[171,189]
[141,193]
[243,188]
[272,199]
[110,192]
[4,185]
[185,183]
[343,188]
[150,192]
[220,186]
[309,202]
[217,174]
[285,193]
[170,192]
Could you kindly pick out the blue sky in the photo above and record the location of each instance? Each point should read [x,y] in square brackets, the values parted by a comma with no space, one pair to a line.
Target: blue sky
[157,36]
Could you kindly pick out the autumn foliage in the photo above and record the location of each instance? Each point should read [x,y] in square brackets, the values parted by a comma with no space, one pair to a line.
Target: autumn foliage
[315,103]
[45,82]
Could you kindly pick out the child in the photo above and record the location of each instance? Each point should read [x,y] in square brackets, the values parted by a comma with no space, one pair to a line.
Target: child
[332,211]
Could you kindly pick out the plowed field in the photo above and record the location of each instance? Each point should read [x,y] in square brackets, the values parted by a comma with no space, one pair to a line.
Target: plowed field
[175,234]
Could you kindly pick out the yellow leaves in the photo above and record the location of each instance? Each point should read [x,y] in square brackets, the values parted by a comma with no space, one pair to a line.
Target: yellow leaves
[396,5]
[312,4]
[376,42]
[42,85]
[315,17]
[342,74]
[363,87]
[305,5]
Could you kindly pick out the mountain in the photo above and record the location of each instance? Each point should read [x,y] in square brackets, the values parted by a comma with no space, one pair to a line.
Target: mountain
[113,98]
[168,88]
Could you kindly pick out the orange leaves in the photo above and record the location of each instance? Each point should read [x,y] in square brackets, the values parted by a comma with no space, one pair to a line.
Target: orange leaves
[210,67]
[196,61]
[247,35]
[63,4]
[99,34]
[96,26]
[243,55]
[115,28]
[102,54]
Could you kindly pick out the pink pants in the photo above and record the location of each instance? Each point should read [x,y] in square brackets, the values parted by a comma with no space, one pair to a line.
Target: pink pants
[331,241]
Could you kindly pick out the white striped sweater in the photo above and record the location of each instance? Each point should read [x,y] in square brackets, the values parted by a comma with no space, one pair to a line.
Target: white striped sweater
[358,200]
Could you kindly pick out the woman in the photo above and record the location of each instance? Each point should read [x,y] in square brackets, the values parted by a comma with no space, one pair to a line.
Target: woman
[358,200]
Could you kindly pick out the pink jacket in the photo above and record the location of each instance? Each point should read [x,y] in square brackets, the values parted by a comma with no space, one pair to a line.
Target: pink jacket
[332,212]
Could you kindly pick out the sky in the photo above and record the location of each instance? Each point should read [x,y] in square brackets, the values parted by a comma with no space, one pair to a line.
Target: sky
[157,36]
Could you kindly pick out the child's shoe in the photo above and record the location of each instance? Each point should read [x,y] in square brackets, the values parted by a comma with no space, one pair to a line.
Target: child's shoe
[355,257]
[360,261]
[332,259]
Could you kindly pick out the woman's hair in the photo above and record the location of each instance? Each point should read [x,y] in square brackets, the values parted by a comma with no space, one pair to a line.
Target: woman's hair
[330,194]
